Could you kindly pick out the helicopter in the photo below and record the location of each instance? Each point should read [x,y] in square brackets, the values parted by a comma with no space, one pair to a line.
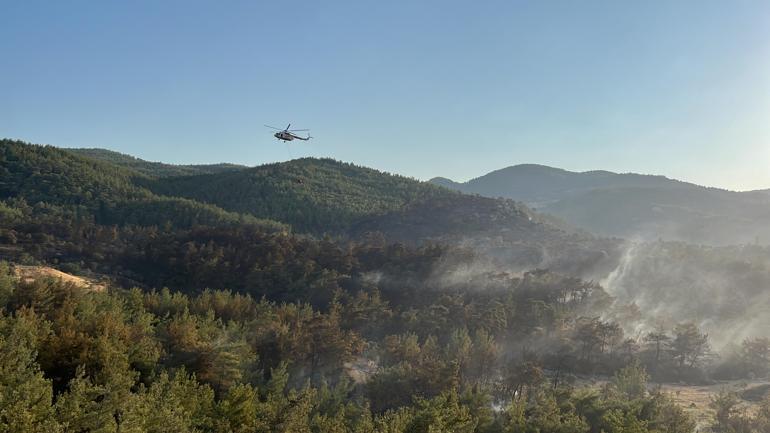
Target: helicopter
[288,134]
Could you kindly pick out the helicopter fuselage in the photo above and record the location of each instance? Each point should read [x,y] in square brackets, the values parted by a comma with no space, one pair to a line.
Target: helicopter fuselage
[288,136]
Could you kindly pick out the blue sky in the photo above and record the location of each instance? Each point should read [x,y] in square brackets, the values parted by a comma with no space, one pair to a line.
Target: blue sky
[421,88]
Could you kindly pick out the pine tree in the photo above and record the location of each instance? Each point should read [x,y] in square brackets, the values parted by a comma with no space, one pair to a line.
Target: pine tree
[25,395]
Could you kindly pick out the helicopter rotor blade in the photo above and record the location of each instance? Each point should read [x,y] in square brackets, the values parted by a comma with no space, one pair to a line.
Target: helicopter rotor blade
[287,127]
[298,130]
[273,127]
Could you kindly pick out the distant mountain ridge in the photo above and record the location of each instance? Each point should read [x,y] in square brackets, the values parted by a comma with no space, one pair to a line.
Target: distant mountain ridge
[630,205]
[540,184]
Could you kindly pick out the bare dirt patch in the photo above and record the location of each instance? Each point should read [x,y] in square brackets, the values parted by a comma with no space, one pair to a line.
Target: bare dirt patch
[32,273]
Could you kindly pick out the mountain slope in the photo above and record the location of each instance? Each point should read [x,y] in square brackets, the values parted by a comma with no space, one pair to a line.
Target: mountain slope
[631,205]
[149,168]
[48,177]
[315,195]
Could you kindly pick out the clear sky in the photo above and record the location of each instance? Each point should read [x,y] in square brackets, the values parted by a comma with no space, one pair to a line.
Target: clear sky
[421,88]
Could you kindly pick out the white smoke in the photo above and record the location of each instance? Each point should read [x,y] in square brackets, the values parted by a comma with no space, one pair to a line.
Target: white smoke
[725,290]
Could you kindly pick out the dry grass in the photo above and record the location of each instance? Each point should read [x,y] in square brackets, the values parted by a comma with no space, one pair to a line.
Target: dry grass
[31,273]
[695,400]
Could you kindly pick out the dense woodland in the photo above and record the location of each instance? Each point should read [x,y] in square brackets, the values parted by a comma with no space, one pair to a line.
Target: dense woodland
[153,169]
[309,194]
[235,319]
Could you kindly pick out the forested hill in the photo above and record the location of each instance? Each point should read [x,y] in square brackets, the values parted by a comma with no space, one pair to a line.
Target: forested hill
[155,169]
[56,182]
[313,195]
